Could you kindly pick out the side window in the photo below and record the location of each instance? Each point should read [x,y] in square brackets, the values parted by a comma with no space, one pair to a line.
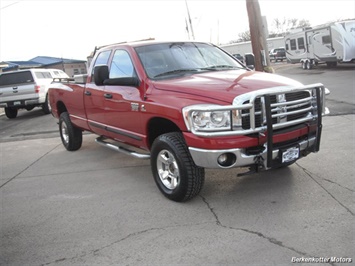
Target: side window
[121,65]
[300,42]
[102,59]
[293,44]
[43,75]
[326,39]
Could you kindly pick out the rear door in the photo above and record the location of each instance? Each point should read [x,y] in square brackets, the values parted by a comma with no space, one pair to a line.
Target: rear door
[17,87]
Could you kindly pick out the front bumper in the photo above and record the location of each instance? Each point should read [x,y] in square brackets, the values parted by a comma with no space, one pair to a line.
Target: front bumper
[209,158]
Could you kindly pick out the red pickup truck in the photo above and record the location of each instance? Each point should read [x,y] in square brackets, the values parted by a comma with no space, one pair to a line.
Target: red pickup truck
[188,106]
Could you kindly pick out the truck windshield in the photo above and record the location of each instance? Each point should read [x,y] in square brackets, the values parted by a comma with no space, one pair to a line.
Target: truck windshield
[169,60]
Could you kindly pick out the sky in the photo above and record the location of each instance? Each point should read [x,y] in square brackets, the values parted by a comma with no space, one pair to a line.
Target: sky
[72,28]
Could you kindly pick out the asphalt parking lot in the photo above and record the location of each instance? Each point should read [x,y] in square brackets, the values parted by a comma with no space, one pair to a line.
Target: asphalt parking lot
[98,207]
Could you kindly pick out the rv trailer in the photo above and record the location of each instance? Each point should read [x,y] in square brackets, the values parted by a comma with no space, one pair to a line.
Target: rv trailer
[331,44]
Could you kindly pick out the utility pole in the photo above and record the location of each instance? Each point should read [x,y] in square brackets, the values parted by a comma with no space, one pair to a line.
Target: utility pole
[188,14]
[257,35]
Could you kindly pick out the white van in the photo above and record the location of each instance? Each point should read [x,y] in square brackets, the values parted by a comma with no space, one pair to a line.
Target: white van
[25,89]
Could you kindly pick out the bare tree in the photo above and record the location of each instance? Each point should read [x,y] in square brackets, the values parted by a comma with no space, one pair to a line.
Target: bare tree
[303,23]
[283,25]
[244,36]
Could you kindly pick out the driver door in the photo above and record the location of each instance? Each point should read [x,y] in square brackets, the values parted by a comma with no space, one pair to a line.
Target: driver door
[122,103]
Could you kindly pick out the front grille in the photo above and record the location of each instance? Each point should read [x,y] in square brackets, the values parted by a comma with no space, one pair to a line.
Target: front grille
[284,108]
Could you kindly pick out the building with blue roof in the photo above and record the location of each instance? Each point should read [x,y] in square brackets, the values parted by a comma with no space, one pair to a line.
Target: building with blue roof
[70,66]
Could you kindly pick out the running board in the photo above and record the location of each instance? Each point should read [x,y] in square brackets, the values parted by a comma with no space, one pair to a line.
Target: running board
[101,141]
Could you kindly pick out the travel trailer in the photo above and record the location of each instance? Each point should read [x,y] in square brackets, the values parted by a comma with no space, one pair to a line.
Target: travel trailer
[331,44]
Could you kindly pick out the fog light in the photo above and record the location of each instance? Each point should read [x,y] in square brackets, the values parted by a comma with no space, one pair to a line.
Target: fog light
[226,159]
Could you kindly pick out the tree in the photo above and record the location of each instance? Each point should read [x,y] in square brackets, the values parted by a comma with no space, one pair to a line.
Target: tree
[303,23]
[244,36]
[281,26]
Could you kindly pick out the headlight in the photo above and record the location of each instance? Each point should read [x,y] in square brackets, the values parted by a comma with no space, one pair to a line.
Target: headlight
[211,118]
[211,121]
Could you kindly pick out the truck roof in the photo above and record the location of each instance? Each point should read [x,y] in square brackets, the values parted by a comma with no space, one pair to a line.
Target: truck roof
[144,42]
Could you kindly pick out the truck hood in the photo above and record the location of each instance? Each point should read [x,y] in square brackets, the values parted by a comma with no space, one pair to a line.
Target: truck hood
[224,85]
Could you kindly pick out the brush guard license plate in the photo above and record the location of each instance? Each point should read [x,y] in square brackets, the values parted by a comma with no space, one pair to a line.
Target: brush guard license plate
[290,154]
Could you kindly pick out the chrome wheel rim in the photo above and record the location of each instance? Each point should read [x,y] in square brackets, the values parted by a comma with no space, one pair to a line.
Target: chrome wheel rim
[65,134]
[168,169]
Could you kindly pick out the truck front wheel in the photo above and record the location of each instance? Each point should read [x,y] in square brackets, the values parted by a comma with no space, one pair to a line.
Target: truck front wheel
[174,171]
[72,137]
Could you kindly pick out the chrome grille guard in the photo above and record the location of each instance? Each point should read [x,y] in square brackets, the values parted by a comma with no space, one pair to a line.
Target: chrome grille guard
[313,107]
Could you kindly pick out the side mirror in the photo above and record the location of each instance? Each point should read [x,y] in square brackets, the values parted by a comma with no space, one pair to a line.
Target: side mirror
[101,73]
[249,59]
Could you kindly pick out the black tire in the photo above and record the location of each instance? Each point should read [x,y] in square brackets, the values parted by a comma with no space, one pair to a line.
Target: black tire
[72,137]
[11,112]
[46,108]
[308,65]
[170,157]
[303,65]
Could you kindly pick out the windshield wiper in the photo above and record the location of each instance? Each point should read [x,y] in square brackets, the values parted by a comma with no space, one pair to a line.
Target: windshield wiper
[176,71]
[221,67]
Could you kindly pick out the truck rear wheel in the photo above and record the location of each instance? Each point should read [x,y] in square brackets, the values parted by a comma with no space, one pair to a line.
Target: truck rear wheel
[11,112]
[72,137]
[174,171]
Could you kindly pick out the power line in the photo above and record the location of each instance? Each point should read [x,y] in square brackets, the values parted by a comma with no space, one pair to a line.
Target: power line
[10,5]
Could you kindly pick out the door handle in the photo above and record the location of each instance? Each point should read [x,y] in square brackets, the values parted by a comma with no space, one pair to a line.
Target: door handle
[88,93]
[108,96]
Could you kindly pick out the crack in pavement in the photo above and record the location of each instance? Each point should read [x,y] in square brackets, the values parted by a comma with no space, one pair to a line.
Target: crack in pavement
[310,174]
[38,159]
[339,101]
[94,252]
[269,239]
[34,133]
[335,183]
[88,171]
